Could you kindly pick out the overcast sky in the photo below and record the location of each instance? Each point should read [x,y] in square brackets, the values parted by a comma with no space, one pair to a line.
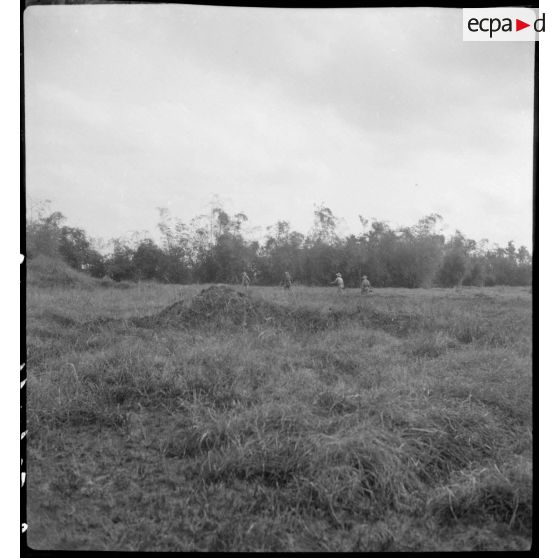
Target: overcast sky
[385,113]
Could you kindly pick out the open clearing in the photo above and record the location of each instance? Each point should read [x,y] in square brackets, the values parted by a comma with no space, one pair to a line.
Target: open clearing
[182,418]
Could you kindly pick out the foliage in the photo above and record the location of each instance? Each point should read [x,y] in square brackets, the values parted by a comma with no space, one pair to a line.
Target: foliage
[216,248]
[46,236]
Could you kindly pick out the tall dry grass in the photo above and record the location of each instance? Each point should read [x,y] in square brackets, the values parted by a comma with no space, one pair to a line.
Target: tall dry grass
[403,424]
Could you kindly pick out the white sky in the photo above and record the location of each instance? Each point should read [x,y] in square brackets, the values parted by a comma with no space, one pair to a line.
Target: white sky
[381,112]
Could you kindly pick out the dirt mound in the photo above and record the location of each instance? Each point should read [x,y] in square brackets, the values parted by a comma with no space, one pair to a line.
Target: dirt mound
[215,304]
[43,271]
[221,306]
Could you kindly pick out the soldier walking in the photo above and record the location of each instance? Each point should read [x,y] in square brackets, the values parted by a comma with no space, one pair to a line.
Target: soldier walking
[287,281]
[365,285]
[339,282]
[245,280]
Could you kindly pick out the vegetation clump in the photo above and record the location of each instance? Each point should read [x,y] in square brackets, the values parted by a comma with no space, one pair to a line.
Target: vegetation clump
[488,494]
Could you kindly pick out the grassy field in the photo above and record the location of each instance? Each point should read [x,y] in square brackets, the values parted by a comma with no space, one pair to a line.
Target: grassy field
[164,418]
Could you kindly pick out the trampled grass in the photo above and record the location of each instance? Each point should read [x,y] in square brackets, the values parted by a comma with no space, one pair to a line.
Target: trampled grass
[278,421]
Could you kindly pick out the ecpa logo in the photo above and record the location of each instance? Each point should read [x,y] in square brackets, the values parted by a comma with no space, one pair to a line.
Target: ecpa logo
[502,24]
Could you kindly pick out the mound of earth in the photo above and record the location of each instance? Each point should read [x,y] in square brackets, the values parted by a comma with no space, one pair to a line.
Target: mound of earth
[222,306]
[47,271]
[44,271]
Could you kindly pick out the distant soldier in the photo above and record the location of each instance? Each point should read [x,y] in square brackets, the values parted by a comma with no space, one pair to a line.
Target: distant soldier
[245,280]
[365,285]
[339,282]
[287,281]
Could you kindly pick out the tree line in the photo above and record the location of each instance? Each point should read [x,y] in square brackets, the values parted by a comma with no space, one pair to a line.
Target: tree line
[214,248]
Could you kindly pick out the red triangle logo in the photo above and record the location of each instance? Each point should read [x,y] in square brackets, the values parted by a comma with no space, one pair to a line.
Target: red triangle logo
[519,25]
